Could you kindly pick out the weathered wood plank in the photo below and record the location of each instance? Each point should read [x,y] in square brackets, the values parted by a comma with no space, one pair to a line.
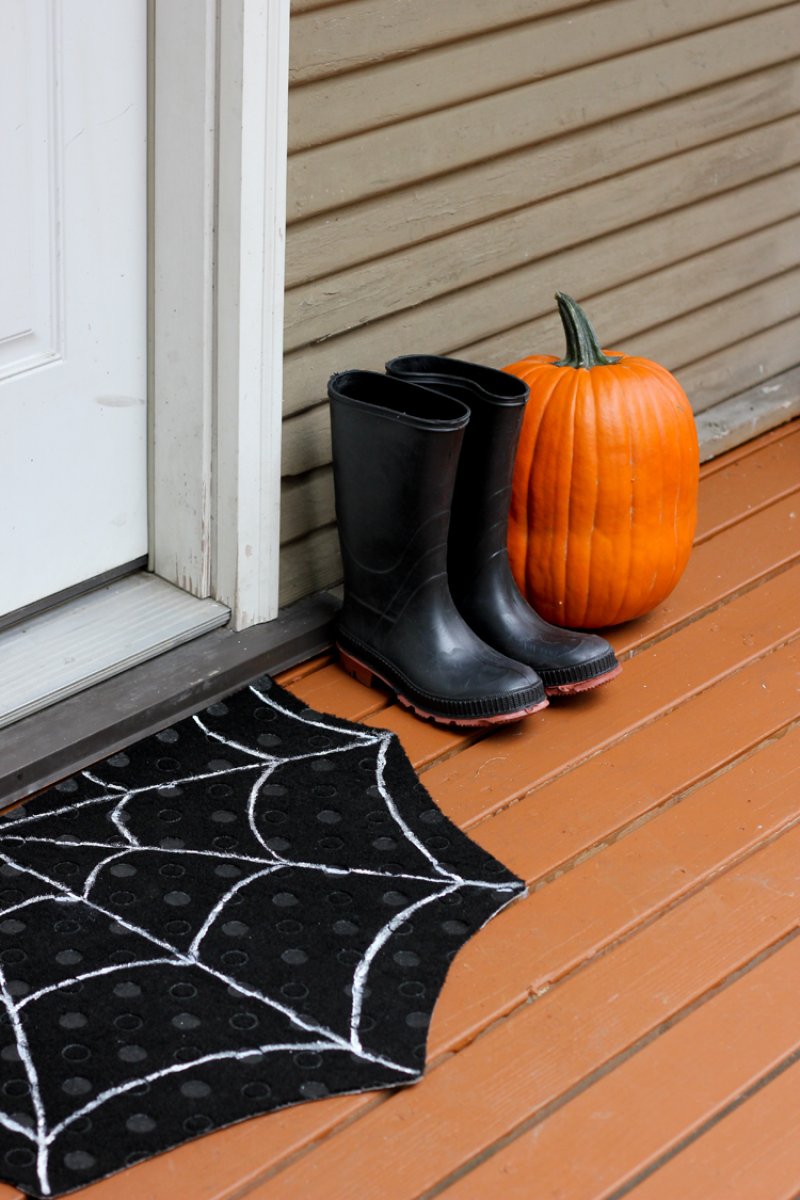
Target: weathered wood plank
[256,1146]
[301,670]
[638,776]
[539,940]
[759,701]
[689,836]
[757,1141]
[331,691]
[750,363]
[558,738]
[307,434]
[378,161]
[748,484]
[625,259]
[723,461]
[655,680]
[607,895]
[491,1087]
[431,78]
[324,245]
[626,1120]
[753,412]
[420,274]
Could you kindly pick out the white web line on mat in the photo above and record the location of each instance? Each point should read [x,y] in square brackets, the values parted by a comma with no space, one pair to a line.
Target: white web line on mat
[183,958]
[241,1055]
[12,908]
[224,856]
[443,880]
[126,966]
[113,787]
[45,1137]
[140,791]
[329,727]
[377,944]
[221,903]
[279,760]
[116,817]
[23,1049]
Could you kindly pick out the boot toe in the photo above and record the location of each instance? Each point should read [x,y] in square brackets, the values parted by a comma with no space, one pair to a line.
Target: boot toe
[587,664]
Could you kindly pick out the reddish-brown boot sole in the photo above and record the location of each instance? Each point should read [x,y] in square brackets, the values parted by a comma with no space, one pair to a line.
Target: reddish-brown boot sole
[370,678]
[583,685]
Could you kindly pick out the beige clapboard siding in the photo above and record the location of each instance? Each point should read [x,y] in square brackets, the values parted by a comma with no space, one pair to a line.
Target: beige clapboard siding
[376,228]
[661,297]
[306,503]
[403,280]
[691,337]
[743,339]
[491,306]
[748,414]
[381,160]
[352,35]
[621,313]
[742,365]
[310,564]
[433,79]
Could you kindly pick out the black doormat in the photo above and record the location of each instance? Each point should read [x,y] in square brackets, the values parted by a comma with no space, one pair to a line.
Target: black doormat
[253,908]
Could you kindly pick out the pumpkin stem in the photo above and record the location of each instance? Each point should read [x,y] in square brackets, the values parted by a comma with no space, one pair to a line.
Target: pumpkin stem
[583,348]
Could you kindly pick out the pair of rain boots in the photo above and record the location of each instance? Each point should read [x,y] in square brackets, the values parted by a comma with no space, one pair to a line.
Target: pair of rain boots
[423,461]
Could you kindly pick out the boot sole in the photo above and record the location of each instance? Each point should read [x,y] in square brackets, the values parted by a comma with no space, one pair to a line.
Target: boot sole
[368,676]
[583,685]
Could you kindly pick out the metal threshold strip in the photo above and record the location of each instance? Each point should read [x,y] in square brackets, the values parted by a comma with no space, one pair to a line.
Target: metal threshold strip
[80,643]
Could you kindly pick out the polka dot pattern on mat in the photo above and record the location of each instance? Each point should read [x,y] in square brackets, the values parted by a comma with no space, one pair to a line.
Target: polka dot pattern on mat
[254,908]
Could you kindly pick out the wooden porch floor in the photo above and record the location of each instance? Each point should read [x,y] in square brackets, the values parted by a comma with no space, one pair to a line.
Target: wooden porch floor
[633,1026]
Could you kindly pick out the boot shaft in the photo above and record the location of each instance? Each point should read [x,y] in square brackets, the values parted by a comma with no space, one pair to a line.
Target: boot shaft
[396,448]
[482,493]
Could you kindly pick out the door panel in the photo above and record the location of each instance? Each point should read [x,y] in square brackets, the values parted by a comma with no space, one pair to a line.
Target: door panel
[73,375]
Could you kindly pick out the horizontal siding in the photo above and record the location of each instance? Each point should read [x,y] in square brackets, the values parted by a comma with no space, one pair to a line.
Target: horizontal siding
[642,155]
[380,160]
[332,109]
[504,317]
[641,317]
[564,224]
[372,229]
[364,32]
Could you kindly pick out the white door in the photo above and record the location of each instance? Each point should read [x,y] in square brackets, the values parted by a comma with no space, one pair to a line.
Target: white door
[73,372]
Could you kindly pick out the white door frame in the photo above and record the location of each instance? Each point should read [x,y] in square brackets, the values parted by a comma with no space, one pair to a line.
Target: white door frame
[219,96]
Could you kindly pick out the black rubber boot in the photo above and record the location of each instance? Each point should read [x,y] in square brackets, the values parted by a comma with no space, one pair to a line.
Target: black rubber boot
[395,453]
[479,572]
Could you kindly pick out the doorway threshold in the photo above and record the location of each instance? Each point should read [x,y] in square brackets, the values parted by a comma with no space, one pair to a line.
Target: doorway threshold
[75,732]
[62,651]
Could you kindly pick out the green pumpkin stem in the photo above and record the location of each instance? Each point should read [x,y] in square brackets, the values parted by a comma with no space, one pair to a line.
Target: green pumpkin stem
[583,348]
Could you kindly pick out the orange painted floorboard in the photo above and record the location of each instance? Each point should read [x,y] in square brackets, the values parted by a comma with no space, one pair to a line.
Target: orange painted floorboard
[631,1027]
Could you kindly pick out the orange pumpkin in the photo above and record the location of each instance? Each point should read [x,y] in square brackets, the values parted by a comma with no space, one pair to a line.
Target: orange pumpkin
[604,502]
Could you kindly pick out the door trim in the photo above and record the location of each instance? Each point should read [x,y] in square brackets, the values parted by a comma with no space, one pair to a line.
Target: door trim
[220,112]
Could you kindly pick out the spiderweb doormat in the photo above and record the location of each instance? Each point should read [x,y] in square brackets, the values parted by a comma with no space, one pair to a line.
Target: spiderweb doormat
[253,908]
